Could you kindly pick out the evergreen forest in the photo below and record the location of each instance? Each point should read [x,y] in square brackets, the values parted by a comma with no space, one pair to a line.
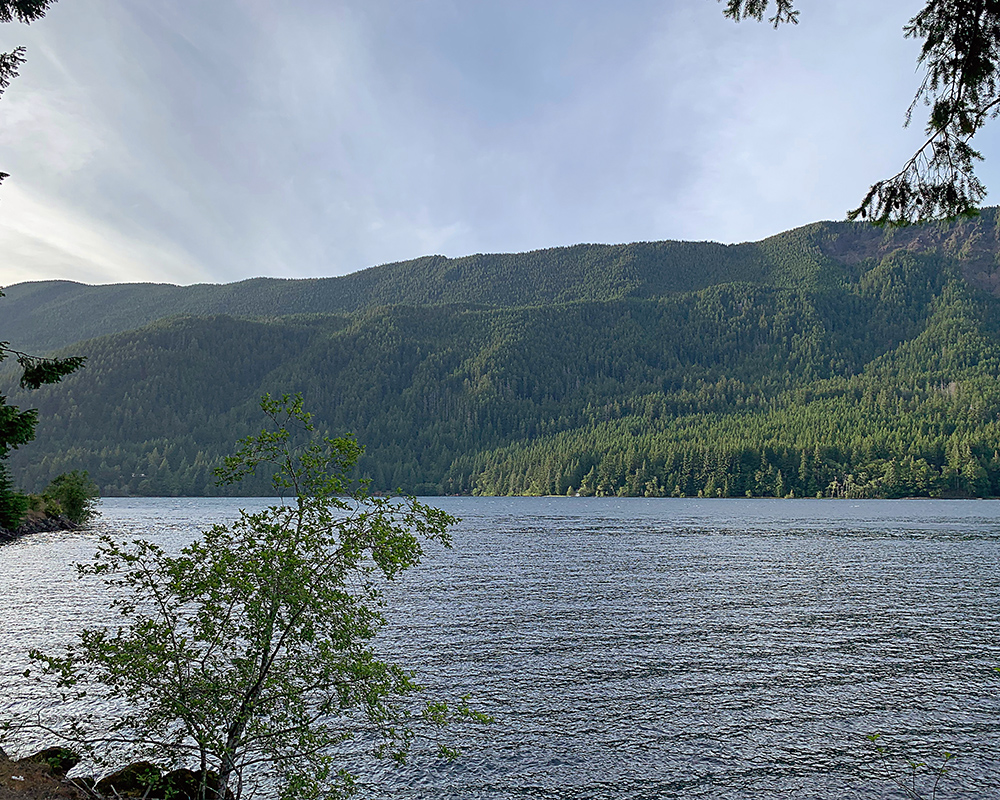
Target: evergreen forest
[834,360]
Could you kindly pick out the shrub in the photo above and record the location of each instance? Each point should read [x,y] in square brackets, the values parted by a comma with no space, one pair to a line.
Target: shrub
[73,494]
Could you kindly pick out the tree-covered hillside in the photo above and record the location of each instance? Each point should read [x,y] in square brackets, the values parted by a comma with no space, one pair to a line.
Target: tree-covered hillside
[866,369]
[50,315]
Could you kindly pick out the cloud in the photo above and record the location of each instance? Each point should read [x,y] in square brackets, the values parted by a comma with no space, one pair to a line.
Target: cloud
[40,230]
[216,141]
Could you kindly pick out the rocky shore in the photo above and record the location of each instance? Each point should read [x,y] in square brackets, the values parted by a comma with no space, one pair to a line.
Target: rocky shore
[38,523]
[39,777]
[43,776]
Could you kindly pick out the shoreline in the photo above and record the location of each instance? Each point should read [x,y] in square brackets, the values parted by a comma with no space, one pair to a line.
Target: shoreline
[32,525]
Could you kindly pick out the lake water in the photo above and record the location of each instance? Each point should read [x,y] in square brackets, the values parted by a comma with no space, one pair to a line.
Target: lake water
[659,648]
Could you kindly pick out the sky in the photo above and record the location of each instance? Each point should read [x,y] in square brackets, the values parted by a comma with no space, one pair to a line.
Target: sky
[210,142]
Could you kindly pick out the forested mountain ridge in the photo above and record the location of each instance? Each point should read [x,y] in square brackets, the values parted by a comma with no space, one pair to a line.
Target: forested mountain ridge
[583,272]
[48,315]
[867,368]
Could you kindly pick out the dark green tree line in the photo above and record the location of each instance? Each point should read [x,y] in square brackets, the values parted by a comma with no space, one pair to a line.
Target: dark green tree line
[888,371]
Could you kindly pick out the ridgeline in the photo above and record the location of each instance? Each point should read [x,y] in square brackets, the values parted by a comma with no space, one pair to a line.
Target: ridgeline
[836,359]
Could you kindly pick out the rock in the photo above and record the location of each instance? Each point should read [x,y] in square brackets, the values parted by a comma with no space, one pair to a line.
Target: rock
[182,784]
[59,759]
[43,524]
[31,780]
[42,776]
[147,780]
[85,782]
[38,524]
[131,781]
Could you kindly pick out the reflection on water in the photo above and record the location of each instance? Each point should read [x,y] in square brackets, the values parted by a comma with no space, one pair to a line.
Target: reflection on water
[653,648]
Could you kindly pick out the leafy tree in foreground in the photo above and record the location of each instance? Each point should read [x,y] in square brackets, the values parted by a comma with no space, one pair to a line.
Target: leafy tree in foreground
[250,652]
[961,58]
[919,780]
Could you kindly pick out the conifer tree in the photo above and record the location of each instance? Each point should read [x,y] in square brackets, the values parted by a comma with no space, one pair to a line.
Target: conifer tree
[960,56]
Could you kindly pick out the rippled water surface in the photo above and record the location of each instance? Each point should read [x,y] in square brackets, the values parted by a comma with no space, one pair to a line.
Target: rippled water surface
[635,648]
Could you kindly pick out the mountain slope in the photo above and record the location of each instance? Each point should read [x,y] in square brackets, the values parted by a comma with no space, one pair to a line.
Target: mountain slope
[583,272]
[874,374]
[48,315]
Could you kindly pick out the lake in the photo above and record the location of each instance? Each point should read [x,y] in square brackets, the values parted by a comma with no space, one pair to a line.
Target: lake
[651,648]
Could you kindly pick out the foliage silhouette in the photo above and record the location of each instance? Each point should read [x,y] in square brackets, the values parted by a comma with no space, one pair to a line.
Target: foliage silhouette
[961,58]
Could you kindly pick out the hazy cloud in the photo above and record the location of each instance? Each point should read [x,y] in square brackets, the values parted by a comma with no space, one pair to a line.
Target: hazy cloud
[191,141]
